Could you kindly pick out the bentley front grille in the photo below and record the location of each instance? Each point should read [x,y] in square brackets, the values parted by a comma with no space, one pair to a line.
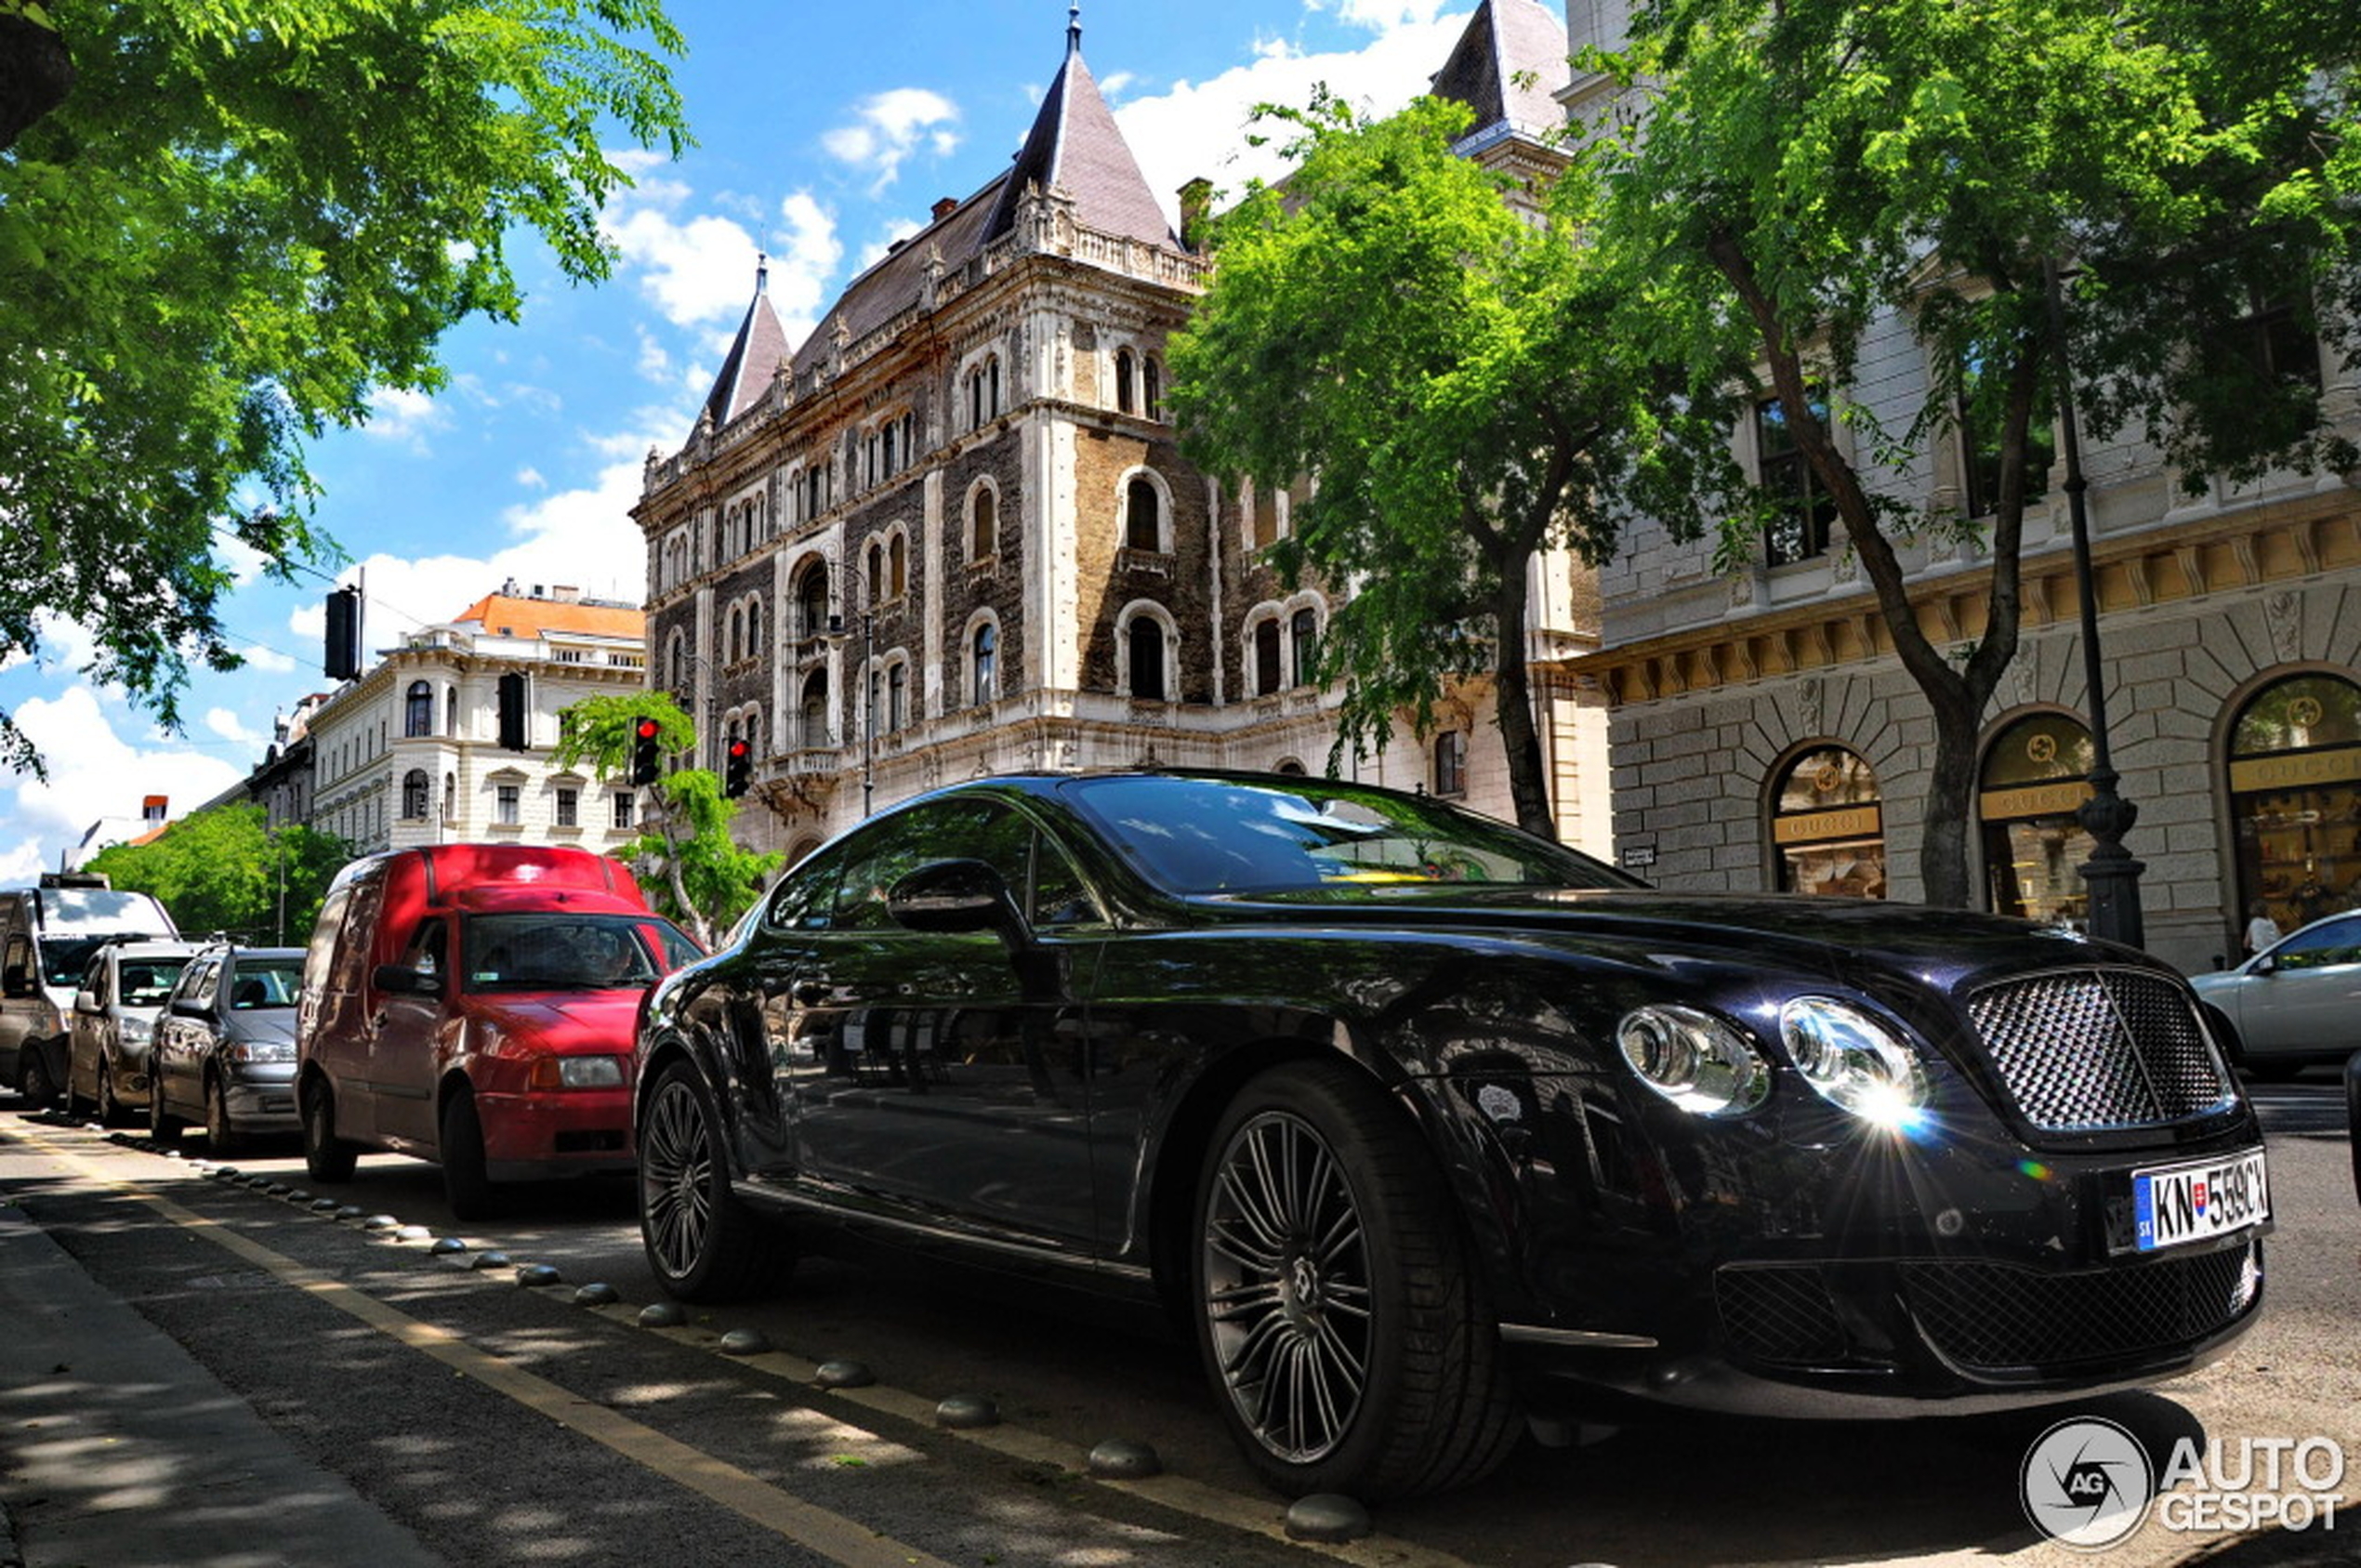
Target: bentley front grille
[2084,1050]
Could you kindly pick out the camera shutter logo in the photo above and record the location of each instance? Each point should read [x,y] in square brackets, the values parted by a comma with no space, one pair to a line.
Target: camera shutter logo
[2087,1483]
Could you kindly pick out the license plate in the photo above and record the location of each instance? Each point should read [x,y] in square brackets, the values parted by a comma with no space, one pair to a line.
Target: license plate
[2174,1204]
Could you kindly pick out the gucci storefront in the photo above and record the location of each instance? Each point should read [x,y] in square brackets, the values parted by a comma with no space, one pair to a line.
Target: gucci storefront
[2034,777]
[2295,797]
[1828,826]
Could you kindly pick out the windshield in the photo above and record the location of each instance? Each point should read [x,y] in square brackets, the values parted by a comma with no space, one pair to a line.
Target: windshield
[64,958]
[554,951]
[1211,835]
[103,909]
[266,983]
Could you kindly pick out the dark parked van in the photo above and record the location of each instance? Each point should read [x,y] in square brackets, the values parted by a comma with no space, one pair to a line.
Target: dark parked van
[474,1005]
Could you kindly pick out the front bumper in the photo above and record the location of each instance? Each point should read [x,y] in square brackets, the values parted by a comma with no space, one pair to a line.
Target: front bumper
[260,1098]
[569,1132]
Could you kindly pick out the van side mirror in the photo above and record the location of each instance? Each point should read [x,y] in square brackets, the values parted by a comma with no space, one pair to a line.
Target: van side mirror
[404,981]
[16,981]
[85,1000]
[958,895]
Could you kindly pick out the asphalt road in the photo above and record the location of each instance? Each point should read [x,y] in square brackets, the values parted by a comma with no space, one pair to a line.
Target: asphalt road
[496,1423]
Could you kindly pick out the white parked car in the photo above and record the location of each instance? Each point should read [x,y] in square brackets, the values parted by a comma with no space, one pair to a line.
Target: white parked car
[2295,1003]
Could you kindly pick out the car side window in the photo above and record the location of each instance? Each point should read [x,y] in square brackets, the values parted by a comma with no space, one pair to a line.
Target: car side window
[804,900]
[20,955]
[425,953]
[198,985]
[95,979]
[876,862]
[1059,896]
[2337,942]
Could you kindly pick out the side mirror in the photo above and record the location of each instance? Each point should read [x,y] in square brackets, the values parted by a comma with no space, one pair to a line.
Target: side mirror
[15,982]
[2265,965]
[962,895]
[85,1001]
[187,1008]
[404,981]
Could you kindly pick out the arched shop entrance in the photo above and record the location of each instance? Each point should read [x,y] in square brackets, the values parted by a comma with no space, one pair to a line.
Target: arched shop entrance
[2295,799]
[1827,827]
[2034,775]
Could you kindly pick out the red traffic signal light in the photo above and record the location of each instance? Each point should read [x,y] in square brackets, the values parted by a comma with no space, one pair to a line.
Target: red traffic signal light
[738,771]
[647,763]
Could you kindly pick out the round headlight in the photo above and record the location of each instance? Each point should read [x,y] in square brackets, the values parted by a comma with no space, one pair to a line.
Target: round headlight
[1852,1059]
[1694,1059]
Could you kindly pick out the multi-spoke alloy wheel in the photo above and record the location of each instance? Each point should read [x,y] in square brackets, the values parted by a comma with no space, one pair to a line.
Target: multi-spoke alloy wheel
[1337,1307]
[1286,1282]
[702,1242]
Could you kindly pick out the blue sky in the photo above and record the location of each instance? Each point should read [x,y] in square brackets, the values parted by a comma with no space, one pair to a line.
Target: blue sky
[825,132]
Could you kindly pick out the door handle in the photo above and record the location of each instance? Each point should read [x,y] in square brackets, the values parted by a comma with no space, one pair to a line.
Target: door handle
[808,993]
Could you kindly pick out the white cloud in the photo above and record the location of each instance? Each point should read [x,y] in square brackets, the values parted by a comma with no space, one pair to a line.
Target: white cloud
[530,477]
[226,725]
[695,270]
[888,128]
[398,414]
[878,248]
[1200,128]
[804,264]
[95,776]
[267,661]
[1381,17]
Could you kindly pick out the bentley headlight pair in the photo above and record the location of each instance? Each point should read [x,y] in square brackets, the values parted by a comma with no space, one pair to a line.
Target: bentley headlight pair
[1708,1067]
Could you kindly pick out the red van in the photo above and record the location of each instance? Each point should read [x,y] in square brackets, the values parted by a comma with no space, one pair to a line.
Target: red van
[474,1005]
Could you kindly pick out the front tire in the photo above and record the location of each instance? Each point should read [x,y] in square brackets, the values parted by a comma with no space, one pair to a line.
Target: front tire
[162,1126]
[1338,1314]
[464,1186]
[34,1082]
[110,1108]
[703,1243]
[326,1157]
[221,1138]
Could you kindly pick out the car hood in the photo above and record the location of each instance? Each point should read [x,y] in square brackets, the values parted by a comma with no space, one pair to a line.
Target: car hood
[563,1021]
[1823,935]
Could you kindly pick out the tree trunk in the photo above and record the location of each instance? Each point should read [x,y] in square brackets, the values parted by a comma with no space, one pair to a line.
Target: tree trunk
[35,74]
[1513,701]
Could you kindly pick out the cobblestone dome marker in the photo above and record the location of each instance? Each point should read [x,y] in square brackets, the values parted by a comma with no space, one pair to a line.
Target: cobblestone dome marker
[745,1342]
[963,1411]
[843,1375]
[1119,1458]
[662,1314]
[596,1295]
[536,1274]
[1327,1516]
[492,1259]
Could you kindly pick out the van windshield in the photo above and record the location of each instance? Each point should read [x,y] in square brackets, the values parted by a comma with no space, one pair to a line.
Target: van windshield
[102,909]
[559,952]
[64,958]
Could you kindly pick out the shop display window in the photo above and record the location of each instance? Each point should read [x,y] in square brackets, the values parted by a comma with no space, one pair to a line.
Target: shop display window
[1828,827]
[2295,799]
[2035,776]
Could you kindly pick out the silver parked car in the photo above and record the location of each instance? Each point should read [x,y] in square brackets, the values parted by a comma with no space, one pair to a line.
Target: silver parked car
[2295,1003]
[225,1051]
[114,1012]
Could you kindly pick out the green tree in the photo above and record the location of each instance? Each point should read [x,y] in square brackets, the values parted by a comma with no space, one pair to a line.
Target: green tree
[226,870]
[1451,372]
[1804,169]
[704,880]
[237,223]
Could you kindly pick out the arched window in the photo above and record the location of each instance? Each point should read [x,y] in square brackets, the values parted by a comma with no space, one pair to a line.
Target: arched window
[753,628]
[1266,656]
[1289,766]
[1144,651]
[975,399]
[2295,755]
[737,634]
[897,696]
[983,524]
[815,710]
[417,711]
[450,797]
[1304,629]
[897,566]
[413,795]
[890,434]
[1827,826]
[451,712]
[811,602]
[1123,371]
[992,387]
[2034,774]
[873,571]
[677,658]
[984,663]
[1142,526]
[1152,386]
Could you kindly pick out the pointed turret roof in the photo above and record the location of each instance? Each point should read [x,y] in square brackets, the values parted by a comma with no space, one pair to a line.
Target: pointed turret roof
[1075,144]
[760,345]
[1508,66]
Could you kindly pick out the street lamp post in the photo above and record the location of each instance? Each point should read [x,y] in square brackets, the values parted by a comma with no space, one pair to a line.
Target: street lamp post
[863,704]
[2111,873]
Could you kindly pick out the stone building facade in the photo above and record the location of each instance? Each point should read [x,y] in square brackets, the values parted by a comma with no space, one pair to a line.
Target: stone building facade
[1765,736]
[953,533]
[408,752]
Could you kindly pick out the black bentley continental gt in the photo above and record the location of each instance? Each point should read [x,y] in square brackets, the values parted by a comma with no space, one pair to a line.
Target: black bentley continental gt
[1427,1127]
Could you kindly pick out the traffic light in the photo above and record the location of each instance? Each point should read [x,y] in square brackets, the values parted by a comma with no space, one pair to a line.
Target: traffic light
[512,713]
[647,763]
[341,657]
[739,772]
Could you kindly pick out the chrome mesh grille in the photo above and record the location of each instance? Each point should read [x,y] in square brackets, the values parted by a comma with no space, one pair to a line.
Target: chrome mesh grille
[2084,1049]
[1779,1314]
[1995,1317]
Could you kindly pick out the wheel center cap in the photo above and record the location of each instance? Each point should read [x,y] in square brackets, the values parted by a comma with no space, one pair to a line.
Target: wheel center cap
[1304,1284]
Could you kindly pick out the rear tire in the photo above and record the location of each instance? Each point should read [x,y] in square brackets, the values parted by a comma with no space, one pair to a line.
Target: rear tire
[1340,1317]
[221,1138]
[326,1157]
[2353,1116]
[701,1241]
[464,1186]
[110,1108]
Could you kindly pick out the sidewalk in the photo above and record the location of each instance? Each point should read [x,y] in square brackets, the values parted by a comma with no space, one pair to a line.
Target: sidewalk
[116,1448]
